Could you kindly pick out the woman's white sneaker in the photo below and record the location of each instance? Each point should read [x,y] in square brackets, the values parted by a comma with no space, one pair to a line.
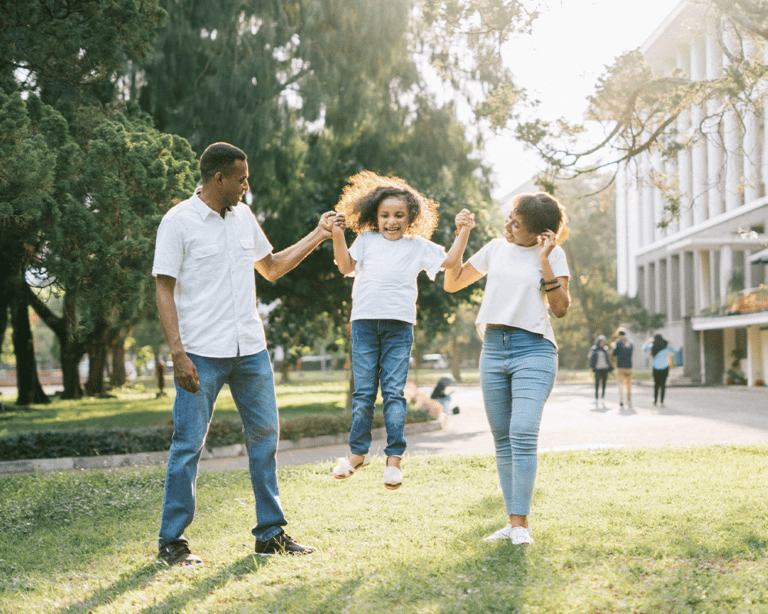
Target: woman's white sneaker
[517,535]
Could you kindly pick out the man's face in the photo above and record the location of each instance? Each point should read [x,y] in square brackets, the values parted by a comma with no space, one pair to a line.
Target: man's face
[234,184]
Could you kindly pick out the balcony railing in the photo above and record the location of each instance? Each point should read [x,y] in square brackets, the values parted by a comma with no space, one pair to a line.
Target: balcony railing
[747,301]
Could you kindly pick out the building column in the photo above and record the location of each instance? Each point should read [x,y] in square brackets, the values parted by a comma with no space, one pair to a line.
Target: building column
[702,280]
[684,177]
[633,227]
[726,270]
[715,153]
[622,240]
[699,151]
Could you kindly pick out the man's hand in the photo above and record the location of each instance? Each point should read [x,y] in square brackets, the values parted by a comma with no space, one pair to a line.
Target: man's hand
[326,223]
[185,372]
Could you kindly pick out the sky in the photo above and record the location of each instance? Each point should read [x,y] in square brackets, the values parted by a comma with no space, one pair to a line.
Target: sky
[560,63]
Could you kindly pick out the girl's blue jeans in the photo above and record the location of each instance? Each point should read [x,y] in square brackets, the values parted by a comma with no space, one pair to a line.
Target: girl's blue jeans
[252,383]
[517,373]
[381,351]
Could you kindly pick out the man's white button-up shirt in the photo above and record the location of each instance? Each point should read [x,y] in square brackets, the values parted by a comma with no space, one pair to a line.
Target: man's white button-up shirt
[212,259]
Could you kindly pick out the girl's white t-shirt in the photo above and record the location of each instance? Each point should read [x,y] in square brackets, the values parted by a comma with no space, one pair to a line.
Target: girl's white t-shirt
[513,293]
[385,275]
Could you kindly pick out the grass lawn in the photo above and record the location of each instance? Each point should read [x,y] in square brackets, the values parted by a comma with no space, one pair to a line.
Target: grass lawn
[137,407]
[308,393]
[651,531]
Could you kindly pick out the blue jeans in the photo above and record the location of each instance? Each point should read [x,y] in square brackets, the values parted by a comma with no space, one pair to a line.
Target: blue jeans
[252,384]
[517,373]
[381,351]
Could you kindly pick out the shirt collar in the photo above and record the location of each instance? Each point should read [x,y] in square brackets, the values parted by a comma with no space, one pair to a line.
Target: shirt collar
[199,206]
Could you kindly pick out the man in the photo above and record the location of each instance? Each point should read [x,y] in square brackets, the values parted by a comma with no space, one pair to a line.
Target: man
[622,352]
[207,247]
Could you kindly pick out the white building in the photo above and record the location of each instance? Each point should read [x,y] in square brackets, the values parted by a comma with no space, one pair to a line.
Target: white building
[697,268]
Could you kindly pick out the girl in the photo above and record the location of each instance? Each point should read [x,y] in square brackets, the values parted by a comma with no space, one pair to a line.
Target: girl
[661,353]
[393,223]
[527,276]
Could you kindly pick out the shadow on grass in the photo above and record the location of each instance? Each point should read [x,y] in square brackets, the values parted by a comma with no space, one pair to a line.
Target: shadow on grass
[135,579]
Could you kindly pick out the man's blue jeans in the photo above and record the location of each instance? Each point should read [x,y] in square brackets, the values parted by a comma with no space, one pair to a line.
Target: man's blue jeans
[517,373]
[252,383]
[381,351]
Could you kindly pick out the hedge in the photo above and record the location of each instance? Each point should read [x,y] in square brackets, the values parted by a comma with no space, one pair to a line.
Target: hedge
[100,442]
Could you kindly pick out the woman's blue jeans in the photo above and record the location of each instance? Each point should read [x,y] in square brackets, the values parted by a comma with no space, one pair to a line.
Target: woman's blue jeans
[517,373]
[381,351]
[252,383]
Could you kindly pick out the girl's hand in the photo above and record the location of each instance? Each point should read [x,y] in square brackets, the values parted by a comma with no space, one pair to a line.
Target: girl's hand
[547,240]
[465,219]
[339,221]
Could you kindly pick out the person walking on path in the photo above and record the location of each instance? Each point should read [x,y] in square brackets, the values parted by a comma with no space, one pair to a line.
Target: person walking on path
[622,353]
[527,277]
[600,365]
[207,248]
[661,354]
[394,223]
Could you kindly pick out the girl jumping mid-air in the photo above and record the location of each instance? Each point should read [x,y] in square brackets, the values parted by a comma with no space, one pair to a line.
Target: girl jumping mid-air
[393,223]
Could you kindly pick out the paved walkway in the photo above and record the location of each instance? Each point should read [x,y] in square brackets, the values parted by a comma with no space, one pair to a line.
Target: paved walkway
[692,416]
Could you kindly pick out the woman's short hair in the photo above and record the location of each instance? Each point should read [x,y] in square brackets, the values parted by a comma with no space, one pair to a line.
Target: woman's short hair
[542,211]
[219,157]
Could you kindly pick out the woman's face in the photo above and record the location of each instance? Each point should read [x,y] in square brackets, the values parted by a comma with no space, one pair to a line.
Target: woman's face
[392,218]
[515,231]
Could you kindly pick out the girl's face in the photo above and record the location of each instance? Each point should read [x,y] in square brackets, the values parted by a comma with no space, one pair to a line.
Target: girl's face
[393,218]
[515,231]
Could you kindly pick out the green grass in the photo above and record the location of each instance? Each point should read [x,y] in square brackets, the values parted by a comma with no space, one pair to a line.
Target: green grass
[654,531]
[138,407]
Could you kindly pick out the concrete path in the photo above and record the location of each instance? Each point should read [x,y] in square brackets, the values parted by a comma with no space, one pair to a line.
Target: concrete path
[572,420]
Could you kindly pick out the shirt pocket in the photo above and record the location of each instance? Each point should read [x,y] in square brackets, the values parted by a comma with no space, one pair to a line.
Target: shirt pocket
[246,251]
[204,261]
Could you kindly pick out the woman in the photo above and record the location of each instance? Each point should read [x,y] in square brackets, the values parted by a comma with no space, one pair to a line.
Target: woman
[527,276]
[661,352]
[600,364]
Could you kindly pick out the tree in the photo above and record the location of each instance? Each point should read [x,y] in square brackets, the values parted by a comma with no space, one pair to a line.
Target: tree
[316,91]
[100,250]
[596,308]
[640,111]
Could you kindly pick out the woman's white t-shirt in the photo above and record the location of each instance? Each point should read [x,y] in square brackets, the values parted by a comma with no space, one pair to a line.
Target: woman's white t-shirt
[513,293]
[385,275]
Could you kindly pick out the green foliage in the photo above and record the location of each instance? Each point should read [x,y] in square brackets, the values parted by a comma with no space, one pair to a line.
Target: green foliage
[100,442]
[72,43]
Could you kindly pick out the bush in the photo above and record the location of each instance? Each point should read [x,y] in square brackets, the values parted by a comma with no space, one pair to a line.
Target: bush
[100,442]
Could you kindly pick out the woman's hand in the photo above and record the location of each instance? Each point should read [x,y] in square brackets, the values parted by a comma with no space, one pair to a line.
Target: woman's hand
[465,219]
[547,241]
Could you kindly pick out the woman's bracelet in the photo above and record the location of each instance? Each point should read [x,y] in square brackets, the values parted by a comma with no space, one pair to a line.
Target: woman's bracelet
[551,281]
[552,288]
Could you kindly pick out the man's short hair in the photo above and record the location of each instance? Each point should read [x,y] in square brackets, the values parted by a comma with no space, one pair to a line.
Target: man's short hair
[219,157]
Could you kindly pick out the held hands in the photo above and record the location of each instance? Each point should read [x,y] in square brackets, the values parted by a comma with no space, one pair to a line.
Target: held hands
[465,219]
[326,223]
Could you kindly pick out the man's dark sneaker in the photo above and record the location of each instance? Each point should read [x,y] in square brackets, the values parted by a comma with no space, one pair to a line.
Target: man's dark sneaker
[282,543]
[177,553]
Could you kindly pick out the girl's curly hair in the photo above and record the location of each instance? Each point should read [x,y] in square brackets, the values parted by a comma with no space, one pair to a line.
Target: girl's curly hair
[361,198]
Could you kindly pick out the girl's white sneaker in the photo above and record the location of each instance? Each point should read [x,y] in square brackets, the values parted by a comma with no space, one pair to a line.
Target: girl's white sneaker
[517,535]
[393,477]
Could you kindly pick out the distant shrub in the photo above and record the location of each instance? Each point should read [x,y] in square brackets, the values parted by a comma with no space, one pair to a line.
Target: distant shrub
[101,442]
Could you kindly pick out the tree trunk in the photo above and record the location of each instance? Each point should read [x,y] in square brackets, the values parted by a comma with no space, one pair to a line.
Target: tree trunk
[160,375]
[27,382]
[71,351]
[97,360]
[455,354]
[117,349]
